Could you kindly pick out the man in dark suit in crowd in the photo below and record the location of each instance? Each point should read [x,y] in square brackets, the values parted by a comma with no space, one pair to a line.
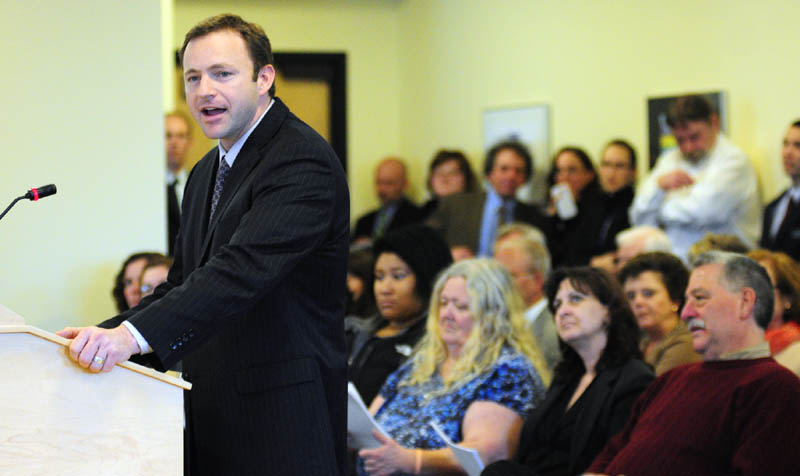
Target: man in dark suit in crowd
[178,139]
[253,305]
[781,229]
[396,211]
[469,221]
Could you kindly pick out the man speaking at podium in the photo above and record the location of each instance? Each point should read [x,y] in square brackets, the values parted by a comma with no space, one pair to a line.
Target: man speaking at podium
[253,305]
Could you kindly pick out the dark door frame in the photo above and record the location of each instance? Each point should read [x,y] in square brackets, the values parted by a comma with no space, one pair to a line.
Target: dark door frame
[331,68]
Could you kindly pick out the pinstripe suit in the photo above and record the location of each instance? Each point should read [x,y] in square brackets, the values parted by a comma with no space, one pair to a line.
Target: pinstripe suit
[254,304]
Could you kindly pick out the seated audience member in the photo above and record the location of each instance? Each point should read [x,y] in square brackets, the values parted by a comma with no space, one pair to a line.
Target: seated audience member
[784,273]
[654,284]
[154,273]
[396,211]
[631,243]
[706,184]
[528,261]
[594,387]
[781,227]
[477,373]
[127,287]
[734,413]
[575,235]
[360,299]
[520,230]
[407,261]
[617,176]
[715,242]
[449,173]
[469,221]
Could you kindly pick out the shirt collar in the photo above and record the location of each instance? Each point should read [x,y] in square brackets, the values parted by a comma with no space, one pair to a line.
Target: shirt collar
[230,155]
[535,311]
[794,193]
[493,199]
[755,352]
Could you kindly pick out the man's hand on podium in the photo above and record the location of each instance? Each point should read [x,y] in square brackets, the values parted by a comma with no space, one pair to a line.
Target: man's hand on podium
[99,350]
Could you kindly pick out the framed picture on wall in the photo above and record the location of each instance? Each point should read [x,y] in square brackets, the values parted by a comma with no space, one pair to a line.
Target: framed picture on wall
[529,125]
[659,134]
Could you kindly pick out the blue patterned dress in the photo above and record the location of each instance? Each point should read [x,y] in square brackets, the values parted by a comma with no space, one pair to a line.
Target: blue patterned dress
[512,382]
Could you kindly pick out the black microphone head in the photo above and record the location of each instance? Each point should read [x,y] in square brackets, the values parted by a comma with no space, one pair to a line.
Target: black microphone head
[41,192]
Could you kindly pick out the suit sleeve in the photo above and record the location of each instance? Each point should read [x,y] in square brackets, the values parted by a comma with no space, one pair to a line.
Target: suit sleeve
[616,443]
[629,390]
[293,196]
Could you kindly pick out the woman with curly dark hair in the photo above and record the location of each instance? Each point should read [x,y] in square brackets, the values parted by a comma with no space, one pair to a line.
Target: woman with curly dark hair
[654,285]
[594,386]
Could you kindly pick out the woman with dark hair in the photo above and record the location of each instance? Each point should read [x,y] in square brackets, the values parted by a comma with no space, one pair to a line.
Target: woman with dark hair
[784,328]
[654,285]
[595,384]
[127,292]
[449,173]
[407,261]
[576,207]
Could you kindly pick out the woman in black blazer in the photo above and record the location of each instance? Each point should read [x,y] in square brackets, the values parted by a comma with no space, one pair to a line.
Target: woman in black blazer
[595,385]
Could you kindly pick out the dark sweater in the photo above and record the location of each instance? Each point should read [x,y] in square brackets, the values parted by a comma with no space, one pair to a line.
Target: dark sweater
[712,418]
[373,358]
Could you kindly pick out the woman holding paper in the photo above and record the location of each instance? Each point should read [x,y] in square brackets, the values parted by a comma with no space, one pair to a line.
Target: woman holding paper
[594,387]
[477,373]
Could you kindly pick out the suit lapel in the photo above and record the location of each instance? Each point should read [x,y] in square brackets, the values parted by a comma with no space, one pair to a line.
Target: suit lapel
[788,224]
[249,156]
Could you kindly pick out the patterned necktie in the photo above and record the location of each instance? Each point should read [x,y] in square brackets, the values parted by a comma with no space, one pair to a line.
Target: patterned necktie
[222,172]
[381,222]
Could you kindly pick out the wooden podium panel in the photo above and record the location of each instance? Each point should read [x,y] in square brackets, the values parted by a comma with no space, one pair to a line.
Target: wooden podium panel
[58,418]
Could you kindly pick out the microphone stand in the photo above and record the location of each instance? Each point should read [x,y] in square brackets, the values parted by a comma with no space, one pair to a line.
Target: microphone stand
[12,204]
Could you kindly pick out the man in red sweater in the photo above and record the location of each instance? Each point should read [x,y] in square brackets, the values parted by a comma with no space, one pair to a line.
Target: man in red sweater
[738,411]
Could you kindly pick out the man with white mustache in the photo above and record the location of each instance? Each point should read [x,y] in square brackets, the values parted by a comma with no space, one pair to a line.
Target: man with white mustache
[723,415]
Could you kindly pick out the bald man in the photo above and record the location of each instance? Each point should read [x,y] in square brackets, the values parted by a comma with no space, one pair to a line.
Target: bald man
[396,211]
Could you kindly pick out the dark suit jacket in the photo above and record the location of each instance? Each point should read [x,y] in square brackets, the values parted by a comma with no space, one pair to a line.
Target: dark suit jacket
[254,305]
[458,218]
[406,214]
[788,238]
[592,232]
[608,403]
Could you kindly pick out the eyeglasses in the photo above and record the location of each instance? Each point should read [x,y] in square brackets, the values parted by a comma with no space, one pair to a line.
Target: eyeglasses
[146,290]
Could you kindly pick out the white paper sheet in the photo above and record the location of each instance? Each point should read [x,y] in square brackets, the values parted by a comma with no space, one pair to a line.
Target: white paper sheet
[359,422]
[469,458]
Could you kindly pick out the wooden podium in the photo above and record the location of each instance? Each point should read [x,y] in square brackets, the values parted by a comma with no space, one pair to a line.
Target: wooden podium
[58,418]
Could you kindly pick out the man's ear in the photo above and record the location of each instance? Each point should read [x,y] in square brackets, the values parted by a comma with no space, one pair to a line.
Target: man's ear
[715,122]
[747,303]
[265,79]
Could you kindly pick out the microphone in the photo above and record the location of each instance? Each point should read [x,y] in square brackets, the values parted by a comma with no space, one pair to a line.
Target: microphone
[40,192]
[33,194]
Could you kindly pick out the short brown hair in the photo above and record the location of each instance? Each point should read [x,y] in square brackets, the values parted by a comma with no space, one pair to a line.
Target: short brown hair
[258,45]
[691,108]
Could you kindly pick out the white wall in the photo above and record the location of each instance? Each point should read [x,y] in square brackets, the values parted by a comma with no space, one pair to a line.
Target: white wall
[82,108]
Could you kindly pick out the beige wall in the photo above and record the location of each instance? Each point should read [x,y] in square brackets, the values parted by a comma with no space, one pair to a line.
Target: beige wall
[595,63]
[84,99]
[82,108]
[422,71]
